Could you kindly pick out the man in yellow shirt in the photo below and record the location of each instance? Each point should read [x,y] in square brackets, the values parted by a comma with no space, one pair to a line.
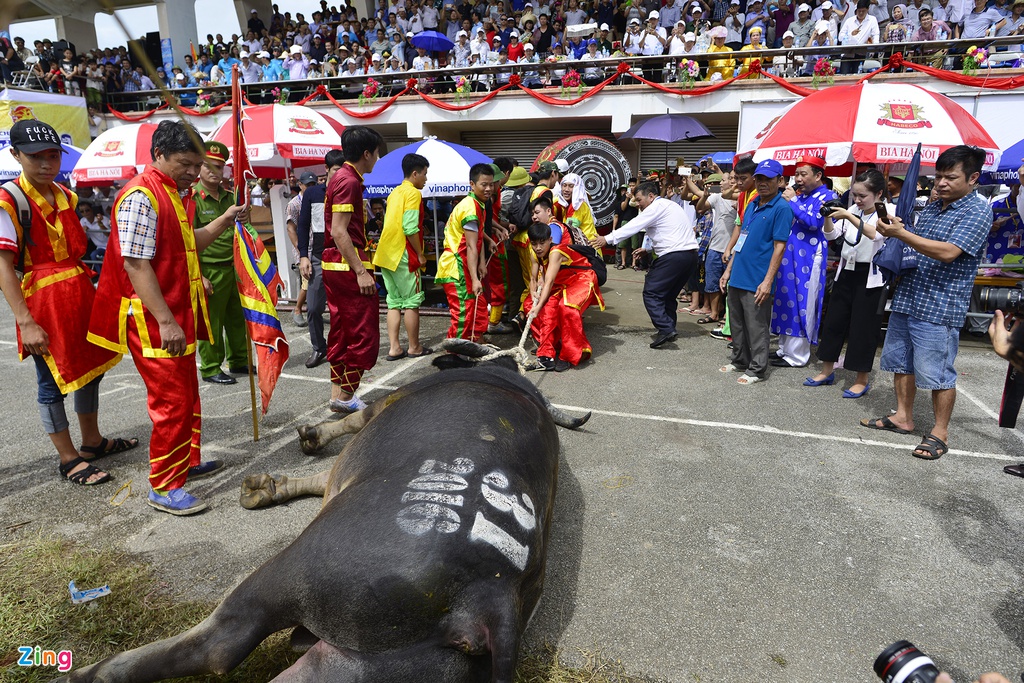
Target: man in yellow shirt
[399,256]
[461,269]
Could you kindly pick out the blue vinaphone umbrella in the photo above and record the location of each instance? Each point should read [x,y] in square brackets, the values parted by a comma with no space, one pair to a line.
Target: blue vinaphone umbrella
[432,41]
[1009,162]
[448,175]
[11,169]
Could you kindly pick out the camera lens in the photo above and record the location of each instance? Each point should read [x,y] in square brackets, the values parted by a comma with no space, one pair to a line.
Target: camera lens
[1006,299]
[902,662]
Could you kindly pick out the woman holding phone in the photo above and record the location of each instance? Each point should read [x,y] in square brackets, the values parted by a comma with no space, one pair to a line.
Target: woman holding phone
[853,315]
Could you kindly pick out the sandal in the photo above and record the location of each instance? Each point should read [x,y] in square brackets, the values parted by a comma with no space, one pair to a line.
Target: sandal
[885,424]
[117,445]
[706,320]
[82,476]
[932,446]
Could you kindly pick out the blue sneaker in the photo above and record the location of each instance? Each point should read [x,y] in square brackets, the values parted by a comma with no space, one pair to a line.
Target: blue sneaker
[176,502]
[205,469]
[352,405]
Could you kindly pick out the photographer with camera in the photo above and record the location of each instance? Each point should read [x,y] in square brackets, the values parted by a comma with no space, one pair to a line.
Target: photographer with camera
[853,314]
[930,303]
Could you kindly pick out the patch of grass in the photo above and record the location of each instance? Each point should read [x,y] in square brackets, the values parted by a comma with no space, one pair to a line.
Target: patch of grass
[36,609]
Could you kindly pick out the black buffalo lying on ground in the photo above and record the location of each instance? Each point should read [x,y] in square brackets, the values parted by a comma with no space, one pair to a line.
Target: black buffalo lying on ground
[425,562]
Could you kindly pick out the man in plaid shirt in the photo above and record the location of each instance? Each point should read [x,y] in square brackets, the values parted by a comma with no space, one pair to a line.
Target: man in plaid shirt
[931,302]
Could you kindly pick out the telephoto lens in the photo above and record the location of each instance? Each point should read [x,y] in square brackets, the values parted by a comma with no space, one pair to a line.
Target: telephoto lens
[1006,299]
[902,662]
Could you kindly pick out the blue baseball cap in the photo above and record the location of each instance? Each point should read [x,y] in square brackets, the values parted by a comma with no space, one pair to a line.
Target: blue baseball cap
[769,168]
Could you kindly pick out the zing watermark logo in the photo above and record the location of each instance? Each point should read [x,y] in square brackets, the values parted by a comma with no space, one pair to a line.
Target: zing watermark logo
[36,656]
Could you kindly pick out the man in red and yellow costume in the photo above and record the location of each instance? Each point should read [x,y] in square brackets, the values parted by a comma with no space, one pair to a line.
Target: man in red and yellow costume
[568,287]
[354,339]
[462,268]
[151,301]
[40,235]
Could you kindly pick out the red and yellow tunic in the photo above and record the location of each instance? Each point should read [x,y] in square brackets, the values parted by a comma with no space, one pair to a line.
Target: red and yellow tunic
[345,195]
[453,266]
[558,326]
[576,283]
[176,265]
[57,286]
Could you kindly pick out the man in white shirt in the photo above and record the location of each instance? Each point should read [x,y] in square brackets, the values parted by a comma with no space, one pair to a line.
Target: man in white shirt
[670,235]
[248,70]
[860,29]
[653,40]
[827,12]
[430,17]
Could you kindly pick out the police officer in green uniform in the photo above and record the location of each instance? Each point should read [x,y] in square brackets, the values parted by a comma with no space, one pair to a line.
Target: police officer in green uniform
[218,266]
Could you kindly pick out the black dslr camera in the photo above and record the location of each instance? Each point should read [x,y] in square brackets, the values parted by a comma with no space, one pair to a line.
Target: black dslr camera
[830,206]
[1008,300]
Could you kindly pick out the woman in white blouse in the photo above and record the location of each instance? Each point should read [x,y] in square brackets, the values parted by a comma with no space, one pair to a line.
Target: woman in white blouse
[853,313]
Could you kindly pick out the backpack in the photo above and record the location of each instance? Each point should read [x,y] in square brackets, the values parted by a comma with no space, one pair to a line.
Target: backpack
[24,219]
[519,211]
[596,261]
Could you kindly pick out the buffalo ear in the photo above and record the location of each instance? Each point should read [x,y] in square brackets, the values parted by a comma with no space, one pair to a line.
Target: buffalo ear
[450,361]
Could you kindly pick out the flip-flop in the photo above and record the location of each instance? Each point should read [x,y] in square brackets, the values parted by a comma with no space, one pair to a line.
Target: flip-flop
[426,352]
[747,380]
[403,354]
[884,424]
[933,447]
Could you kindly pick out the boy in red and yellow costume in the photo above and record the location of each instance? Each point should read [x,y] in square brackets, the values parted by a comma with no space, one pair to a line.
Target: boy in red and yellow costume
[51,303]
[462,268]
[151,301]
[354,339]
[569,288]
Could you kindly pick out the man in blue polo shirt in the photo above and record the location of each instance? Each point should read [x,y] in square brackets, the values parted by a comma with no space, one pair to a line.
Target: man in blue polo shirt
[931,301]
[751,273]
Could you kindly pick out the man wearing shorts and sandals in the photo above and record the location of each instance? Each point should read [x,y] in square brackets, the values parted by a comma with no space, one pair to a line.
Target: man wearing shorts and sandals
[399,256]
[931,301]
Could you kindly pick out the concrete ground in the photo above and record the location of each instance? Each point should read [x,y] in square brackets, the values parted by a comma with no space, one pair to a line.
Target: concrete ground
[704,531]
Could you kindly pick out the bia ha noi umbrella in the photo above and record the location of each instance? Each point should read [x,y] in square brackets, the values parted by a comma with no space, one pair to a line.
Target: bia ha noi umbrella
[870,123]
[279,137]
[118,153]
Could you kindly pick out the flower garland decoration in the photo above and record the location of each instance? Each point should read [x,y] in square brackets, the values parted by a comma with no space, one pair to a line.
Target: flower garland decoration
[370,92]
[572,81]
[203,101]
[973,58]
[689,71]
[823,71]
[462,88]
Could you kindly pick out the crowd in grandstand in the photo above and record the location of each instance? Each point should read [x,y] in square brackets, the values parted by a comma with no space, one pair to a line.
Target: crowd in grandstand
[339,43]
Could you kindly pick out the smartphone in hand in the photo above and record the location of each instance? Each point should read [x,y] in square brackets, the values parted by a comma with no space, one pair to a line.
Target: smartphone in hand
[881,212]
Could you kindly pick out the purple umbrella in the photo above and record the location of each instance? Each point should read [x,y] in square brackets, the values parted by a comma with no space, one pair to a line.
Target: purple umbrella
[668,128]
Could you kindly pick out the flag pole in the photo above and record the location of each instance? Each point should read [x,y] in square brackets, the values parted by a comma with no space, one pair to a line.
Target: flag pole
[237,153]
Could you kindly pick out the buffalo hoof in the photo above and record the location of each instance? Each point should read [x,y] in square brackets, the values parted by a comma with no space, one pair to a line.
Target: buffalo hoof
[258,491]
[309,439]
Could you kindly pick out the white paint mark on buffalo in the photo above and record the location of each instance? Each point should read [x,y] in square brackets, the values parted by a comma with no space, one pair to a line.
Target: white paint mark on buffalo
[489,533]
[420,518]
[440,498]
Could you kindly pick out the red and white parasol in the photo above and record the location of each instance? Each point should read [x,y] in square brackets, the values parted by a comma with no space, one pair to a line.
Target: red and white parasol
[871,123]
[118,153]
[281,136]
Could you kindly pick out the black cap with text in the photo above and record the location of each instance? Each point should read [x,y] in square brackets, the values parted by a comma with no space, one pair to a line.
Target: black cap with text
[31,136]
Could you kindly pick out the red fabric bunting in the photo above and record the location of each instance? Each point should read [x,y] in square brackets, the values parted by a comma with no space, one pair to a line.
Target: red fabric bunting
[461,107]
[364,114]
[196,112]
[137,117]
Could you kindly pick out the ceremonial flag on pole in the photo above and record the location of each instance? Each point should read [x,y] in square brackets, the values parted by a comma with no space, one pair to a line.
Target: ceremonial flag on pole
[192,48]
[258,279]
